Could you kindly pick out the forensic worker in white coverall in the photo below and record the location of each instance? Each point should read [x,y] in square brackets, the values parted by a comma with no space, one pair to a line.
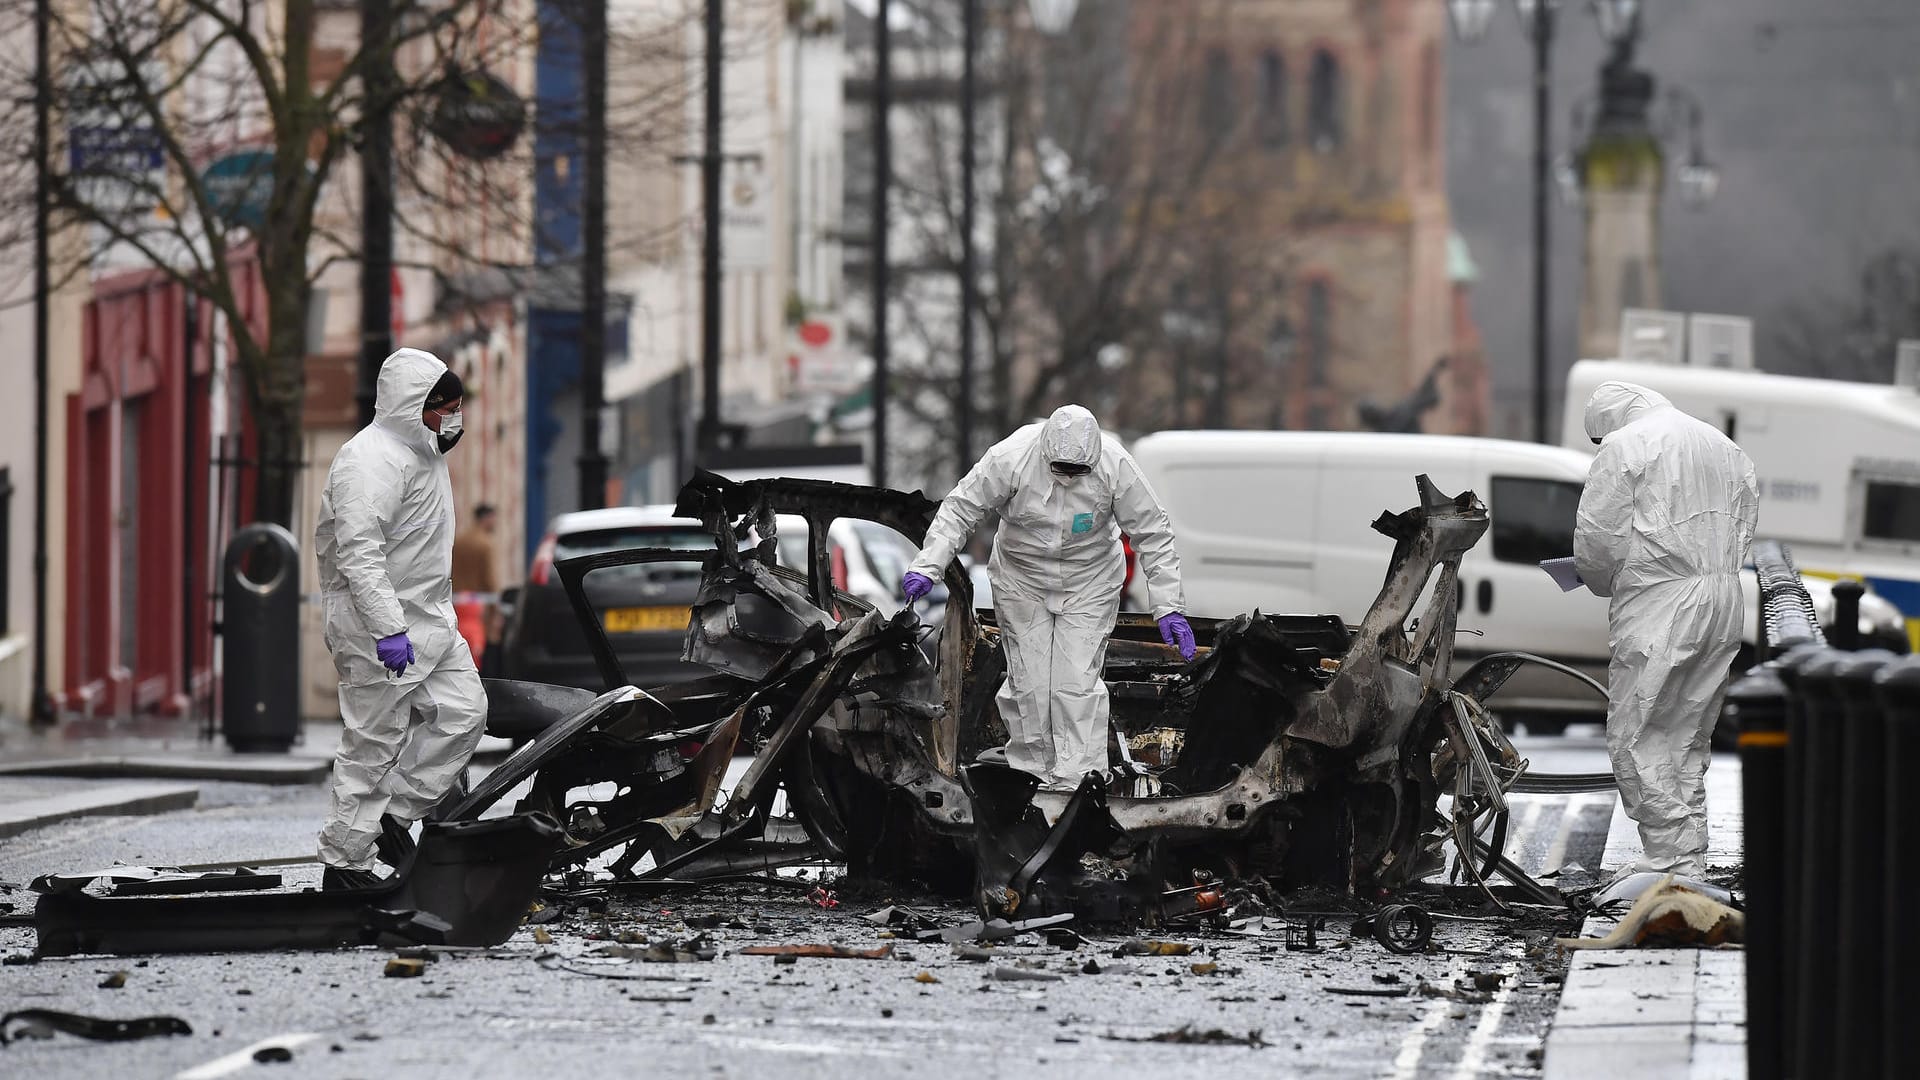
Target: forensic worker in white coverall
[410,697]
[1064,494]
[1664,526]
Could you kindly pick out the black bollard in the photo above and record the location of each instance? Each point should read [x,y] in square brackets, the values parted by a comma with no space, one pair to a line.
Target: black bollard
[1788,668]
[1845,633]
[1757,706]
[1817,746]
[1860,887]
[1898,686]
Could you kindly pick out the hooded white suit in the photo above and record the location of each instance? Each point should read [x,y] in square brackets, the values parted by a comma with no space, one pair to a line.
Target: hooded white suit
[1664,526]
[385,545]
[1057,571]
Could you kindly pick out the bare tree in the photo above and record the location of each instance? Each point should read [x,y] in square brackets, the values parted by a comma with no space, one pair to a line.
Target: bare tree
[1855,338]
[1118,262]
[151,94]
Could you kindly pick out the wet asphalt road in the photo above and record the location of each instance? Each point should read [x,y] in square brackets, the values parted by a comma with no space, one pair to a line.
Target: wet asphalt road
[559,1008]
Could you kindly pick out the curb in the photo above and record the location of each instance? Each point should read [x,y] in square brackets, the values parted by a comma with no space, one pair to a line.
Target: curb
[1653,1012]
[266,771]
[113,799]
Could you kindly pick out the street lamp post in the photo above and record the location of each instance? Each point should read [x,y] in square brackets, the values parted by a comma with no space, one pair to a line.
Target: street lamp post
[969,284]
[1539,18]
[1542,26]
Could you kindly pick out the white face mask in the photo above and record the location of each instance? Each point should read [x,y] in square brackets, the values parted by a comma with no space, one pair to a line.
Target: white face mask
[450,426]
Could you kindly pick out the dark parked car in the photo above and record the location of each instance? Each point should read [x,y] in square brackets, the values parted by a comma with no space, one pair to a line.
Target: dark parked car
[643,607]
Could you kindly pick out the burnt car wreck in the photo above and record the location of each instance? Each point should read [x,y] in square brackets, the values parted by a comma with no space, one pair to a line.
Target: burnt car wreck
[1295,751]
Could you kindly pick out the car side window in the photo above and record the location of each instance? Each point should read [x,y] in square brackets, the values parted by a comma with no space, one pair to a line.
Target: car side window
[887,552]
[1533,519]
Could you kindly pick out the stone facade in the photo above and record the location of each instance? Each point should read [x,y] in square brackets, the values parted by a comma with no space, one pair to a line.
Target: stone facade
[1330,180]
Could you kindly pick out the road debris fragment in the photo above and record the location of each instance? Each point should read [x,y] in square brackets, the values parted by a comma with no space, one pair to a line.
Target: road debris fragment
[1370,991]
[666,951]
[1669,915]
[114,981]
[405,967]
[824,952]
[1150,947]
[1014,974]
[41,1023]
[1186,1035]
[926,978]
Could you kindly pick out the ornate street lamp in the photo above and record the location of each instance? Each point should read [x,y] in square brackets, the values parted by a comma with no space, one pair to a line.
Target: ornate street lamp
[1471,17]
[1618,19]
[1052,16]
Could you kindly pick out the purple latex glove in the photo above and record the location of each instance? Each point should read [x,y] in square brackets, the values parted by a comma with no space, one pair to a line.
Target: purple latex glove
[1175,631]
[395,652]
[915,585]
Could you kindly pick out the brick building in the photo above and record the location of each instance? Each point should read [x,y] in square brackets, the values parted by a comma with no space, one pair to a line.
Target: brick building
[1322,278]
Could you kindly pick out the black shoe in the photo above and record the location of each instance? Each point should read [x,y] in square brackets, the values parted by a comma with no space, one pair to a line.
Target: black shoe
[335,879]
[395,844]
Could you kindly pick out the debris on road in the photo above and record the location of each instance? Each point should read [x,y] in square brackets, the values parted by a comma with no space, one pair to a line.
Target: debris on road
[1186,1035]
[114,981]
[687,951]
[405,967]
[1402,928]
[41,1023]
[825,952]
[1670,915]
[1149,947]
[1370,991]
[926,978]
[1014,974]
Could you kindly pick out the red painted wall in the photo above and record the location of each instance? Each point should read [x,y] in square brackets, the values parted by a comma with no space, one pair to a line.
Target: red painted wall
[138,479]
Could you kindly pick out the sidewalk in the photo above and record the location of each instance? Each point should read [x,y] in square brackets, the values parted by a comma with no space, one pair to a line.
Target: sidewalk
[1657,1012]
[141,765]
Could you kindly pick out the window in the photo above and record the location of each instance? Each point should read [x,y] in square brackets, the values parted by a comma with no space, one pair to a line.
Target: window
[1324,106]
[1319,341]
[1216,95]
[6,548]
[1893,511]
[1430,91]
[1274,130]
[1533,519]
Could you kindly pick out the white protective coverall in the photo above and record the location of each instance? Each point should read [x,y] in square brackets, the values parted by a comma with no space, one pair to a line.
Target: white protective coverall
[1057,572]
[1664,526]
[385,544]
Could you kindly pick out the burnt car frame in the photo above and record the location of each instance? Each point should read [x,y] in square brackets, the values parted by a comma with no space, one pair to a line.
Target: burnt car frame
[1295,749]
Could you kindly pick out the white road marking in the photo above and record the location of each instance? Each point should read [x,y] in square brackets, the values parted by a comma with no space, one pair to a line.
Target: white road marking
[1413,1045]
[243,1057]
[1474,1058]
[1576,809]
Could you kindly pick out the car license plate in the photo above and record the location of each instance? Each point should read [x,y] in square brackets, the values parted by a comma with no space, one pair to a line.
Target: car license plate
[640,620]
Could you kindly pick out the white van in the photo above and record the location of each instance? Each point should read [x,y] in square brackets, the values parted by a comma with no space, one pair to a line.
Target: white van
[1838,462]
[1282,521]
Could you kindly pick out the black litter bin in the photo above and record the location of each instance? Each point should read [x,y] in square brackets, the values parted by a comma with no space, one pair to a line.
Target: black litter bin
[260,641]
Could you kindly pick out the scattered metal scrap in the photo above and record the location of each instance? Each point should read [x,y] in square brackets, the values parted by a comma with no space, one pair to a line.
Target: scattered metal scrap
[1670,915]
[825,952]
[41,1023]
